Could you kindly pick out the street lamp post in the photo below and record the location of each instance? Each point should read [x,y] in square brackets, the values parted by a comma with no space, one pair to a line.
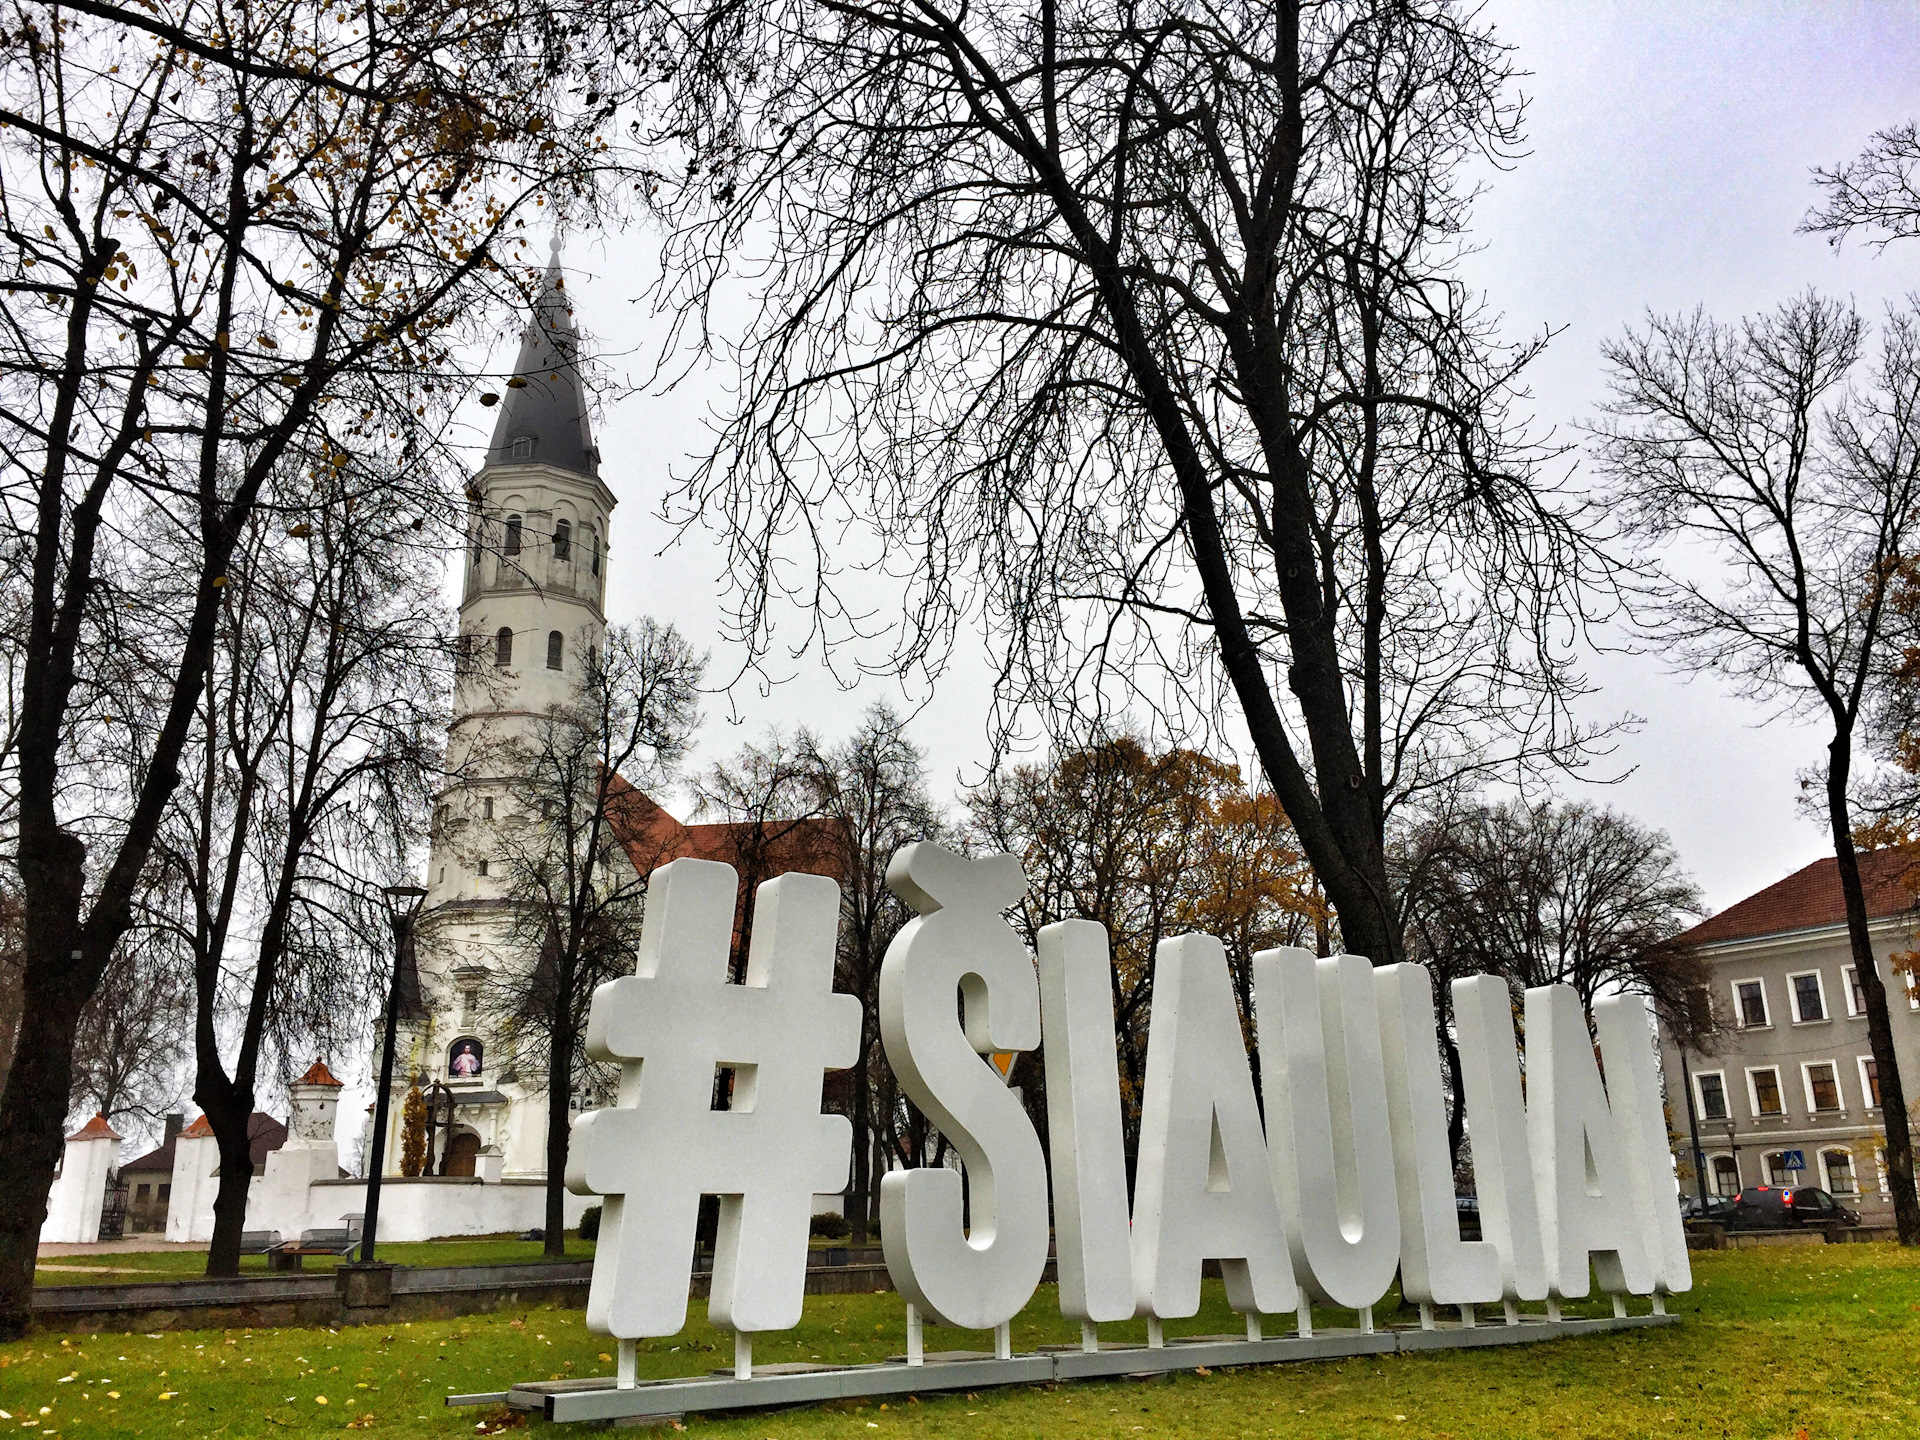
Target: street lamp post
[1739,1181]
[403,903]
[1693,1128]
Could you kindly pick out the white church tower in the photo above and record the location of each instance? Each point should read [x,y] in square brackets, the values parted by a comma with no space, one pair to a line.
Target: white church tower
[531,612]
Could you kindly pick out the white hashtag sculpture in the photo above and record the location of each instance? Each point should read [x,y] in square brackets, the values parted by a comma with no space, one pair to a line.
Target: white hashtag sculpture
[662,1146]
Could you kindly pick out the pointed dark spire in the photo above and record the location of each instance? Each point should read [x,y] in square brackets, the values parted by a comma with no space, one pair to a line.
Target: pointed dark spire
[549,409]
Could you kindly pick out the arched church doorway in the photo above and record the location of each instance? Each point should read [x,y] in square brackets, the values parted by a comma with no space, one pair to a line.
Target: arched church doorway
[462,1151]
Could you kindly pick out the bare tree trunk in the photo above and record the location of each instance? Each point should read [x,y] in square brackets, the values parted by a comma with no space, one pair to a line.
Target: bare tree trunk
[559,1093]
[1893,1097]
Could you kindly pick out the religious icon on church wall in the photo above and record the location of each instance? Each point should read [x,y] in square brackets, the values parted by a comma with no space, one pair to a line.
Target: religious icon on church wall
[465,1058]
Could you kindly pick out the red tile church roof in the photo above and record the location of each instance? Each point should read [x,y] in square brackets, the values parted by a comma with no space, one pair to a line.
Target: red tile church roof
[1810,899]
[652,837]
[95,1129]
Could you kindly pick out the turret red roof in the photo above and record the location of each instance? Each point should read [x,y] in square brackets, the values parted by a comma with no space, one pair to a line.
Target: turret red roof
[95,1129]
[318,1074]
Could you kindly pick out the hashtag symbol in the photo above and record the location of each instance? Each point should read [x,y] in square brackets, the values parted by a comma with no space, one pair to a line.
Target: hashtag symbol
[662,1146]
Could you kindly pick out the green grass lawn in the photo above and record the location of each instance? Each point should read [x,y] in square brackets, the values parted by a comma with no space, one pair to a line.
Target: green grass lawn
[134,1267]
[1774,1342]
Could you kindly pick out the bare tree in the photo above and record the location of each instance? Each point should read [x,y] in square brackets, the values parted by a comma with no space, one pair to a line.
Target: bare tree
[134,1038]
[1878,191]
[1789,450]
[226,229]
[1546,893]
[874,785]
[576,850]
[316,743]
[1144,332]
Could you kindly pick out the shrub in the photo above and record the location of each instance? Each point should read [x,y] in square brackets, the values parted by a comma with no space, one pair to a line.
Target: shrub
[590,1223]
[829,1226]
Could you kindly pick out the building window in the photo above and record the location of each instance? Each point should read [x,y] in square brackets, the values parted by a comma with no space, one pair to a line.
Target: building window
[486,808]
[1713,1094]
[553,649]
[1765,1085]
[593,549]
[1726,1176]
[562,540]
[477,547]
[1856,997]
[1809,997]
[1839,1167]
[481,868]
[139,1194]
[1775,1166]
[1750,1003]
[523,447]
[1823,1086]
[503,647]
[1870,1080]
[513,535]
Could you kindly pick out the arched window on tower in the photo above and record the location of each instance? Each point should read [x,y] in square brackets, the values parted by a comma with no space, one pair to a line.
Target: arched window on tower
[478,548]
[503,647]
[554,643]
[593,549]
[562,540]
[513,535]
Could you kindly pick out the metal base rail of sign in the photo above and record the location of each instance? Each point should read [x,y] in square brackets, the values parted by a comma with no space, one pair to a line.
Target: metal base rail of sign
[604,1399]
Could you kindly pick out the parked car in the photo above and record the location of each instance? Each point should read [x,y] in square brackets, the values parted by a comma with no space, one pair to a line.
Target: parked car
[1468,1207]
[1716,1208]
[1787,1207]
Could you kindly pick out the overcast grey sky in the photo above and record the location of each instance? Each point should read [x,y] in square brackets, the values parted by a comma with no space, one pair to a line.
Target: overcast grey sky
[1671,144]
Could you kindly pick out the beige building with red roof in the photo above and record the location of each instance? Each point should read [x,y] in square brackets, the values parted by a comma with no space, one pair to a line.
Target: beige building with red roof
[1789,1093]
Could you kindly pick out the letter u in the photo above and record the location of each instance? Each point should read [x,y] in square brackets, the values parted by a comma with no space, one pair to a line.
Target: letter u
[1327,1122]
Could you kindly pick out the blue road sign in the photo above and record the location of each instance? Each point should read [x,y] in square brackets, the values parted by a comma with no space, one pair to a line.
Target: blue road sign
[1794,1160]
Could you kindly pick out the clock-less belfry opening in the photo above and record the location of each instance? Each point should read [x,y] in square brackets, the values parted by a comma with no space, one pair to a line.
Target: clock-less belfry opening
[1346,1185]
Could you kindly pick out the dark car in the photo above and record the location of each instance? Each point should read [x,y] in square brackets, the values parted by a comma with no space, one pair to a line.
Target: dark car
[1468,1208]
[1787,1207]
[1715,1209]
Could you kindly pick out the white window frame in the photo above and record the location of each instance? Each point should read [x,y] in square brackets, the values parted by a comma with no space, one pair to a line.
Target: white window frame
[1847,972]
[1839,1088]
[1866,1087]
[1700,1096]
[1713,1183]
[1766,1005]
[1826,1176]
[1766,1170]
[1753,1094]
[1793,998]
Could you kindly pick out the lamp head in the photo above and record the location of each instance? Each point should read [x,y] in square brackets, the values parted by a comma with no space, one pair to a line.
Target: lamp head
[403,900]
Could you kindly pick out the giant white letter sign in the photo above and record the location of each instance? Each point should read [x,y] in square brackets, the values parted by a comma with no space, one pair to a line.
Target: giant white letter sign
[1201,1189]
[1633,1089]
[1497,1130]
[1327,1121]
[1436,1265]
[980,1276]
[663,1145]
[1578,1168]
[1089,1160]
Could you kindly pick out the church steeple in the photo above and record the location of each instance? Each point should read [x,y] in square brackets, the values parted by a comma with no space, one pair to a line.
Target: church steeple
[544,415]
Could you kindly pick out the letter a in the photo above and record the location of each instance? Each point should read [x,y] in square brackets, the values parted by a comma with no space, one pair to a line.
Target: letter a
[1578,1169]
[1202,1190]
[1626,1044]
